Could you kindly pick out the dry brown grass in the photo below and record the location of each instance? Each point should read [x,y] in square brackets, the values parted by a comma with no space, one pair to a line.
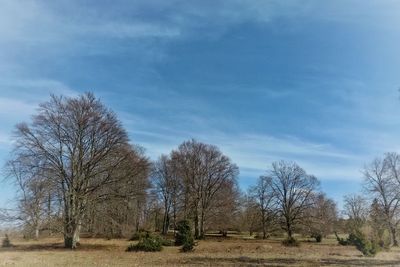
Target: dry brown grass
[212,252]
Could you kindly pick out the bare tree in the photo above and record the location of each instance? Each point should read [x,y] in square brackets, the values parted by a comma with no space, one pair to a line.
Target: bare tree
[249,215]
[168,187]
[356,209]
[204,170]
[264,198]
[377,222]
[79,145]
[224,210]
[113,212]
[322,217]
[381,180]
[34,196]
[293,189]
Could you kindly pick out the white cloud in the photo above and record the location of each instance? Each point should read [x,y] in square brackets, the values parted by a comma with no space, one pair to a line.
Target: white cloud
[11,107]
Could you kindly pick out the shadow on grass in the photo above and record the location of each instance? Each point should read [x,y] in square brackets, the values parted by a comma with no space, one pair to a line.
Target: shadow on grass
[56,247]
[247,261]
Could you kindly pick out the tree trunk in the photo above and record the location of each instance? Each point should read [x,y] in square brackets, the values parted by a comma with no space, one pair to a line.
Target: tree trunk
[71,226]
[37,233]
[290,233]
[174,219]
[202,233]
[71,237]
[165,224]
[393,236]
[196,226]
[78,233]
[165,220]
[263,228]
[289,230]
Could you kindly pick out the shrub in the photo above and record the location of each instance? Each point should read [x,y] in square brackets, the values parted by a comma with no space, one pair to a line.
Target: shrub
[166,242]
[184,236]
[6,242]
[317,236]
[367,247]
[290,242]
[342,241]
[147,244]
[138,235]
[188,245]
[361,242]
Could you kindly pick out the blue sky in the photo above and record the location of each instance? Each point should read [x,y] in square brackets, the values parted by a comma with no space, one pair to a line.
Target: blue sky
[311,81]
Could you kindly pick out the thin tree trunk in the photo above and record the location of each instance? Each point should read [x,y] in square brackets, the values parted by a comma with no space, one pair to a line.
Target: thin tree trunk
[393,236]
[202,233]
[37,232]
[263,228]
[196,225]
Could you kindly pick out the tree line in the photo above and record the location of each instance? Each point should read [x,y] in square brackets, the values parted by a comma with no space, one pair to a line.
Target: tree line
[78,173]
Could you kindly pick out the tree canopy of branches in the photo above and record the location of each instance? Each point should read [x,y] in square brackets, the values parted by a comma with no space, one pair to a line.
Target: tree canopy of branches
[79,148]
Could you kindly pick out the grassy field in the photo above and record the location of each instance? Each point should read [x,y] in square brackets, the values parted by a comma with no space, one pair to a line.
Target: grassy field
[211,252]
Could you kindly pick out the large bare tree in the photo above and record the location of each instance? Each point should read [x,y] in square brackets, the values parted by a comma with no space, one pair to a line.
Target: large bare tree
[79,146]
[293,189]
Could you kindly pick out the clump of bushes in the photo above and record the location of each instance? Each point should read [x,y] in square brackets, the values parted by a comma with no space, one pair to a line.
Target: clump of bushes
[290,242]
[138,235]
[166,242]
[184,236]
[147,244]
[361,242]
[6,242]
[317,236]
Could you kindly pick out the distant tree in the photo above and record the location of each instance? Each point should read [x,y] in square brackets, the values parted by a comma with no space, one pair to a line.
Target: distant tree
[167,186]
[80,147]
[34,196]
[356,209]
[381,181]
[116,208]
[322,217]
[224,211]
[249,215]
[264,198]
[377,221]
[204,171]
[293,190]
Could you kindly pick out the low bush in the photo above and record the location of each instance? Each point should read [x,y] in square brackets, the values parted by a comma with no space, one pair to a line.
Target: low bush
[188,245]
[184,236]
[166,242]
[139,235]
[317,236]
[361,242]
[290,242]
[6,242]
[342,241]
[147,244]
